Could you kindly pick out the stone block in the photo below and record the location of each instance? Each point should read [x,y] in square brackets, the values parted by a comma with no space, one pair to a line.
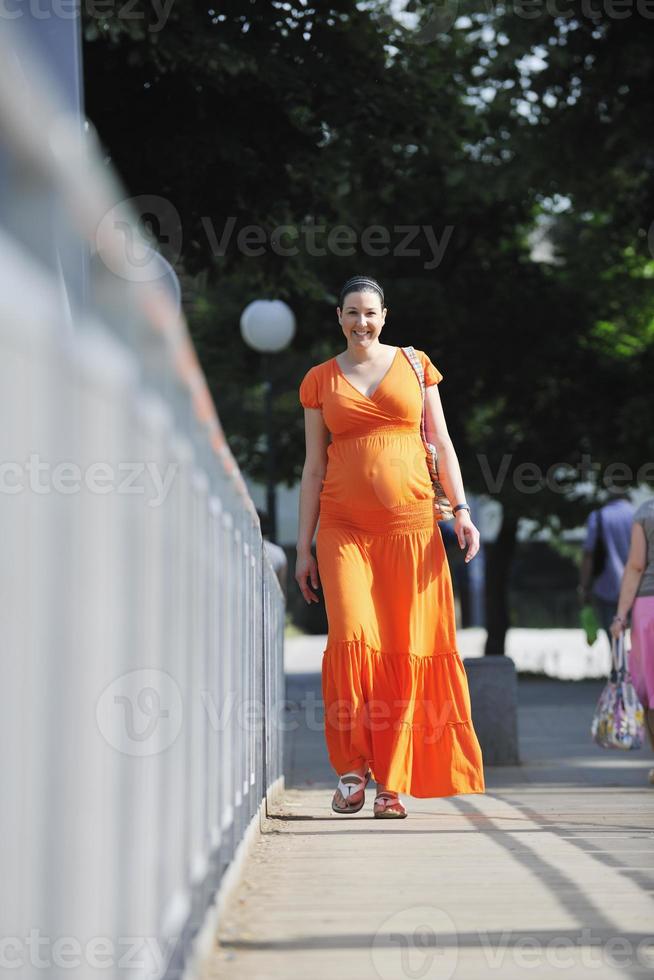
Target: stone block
[493,686]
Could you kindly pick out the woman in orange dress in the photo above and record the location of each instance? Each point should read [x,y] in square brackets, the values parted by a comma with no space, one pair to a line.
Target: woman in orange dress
[395,691]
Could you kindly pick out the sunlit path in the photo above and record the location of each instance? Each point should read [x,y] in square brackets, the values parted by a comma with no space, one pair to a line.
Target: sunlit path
[551,870]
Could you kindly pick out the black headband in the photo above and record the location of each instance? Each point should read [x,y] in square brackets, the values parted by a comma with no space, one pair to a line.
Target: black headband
[357,284]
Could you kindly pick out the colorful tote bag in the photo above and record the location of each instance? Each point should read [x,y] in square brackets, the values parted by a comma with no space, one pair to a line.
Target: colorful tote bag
[618,722]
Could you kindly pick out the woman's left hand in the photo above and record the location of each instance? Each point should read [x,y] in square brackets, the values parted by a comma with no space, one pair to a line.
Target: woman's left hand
[466,532]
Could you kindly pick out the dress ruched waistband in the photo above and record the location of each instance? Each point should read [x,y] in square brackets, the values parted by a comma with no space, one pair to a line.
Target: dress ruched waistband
[418,515]
[407,430]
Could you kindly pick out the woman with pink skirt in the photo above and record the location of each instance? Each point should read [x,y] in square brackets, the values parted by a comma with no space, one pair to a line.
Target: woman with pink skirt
[637,596]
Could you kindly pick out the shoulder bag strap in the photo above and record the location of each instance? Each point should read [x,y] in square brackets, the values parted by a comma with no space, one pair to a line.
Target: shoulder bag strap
[442,505]
[414,361]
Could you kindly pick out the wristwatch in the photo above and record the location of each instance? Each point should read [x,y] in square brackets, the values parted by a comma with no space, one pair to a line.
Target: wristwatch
[460,507]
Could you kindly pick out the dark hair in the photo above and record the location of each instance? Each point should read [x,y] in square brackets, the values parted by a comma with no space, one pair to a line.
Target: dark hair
[615,492]
[358,284]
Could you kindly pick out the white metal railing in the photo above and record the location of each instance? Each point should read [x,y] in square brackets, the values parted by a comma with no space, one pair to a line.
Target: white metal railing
[140,618]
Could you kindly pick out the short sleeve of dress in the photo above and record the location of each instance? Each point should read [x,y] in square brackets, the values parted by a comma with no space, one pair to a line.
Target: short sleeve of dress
[644,513]
[309,390]
[432,374]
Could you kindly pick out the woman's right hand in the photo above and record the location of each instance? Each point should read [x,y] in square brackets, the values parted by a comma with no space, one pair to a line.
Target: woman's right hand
[307,567]
[617,627]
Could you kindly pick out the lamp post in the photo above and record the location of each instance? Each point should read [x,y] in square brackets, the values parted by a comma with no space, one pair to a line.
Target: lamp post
[268,326]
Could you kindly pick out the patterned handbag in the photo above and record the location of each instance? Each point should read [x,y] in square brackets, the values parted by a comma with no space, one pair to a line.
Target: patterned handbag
[618,722]
[442,506]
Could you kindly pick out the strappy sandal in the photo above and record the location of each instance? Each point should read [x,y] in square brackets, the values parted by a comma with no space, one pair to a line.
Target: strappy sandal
[389,806]
[349,784]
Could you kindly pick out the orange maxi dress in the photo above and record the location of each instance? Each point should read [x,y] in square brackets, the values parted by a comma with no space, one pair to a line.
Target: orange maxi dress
[394,687]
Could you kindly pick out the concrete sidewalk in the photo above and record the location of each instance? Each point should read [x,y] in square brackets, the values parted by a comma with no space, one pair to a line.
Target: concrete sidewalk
[549,873]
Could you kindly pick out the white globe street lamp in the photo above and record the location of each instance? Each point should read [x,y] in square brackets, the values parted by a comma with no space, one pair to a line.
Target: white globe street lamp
[268,325]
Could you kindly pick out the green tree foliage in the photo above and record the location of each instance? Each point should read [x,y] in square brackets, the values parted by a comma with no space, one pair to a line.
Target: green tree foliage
[458,137]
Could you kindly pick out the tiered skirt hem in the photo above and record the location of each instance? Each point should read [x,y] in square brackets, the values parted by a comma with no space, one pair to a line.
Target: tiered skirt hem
[407,715]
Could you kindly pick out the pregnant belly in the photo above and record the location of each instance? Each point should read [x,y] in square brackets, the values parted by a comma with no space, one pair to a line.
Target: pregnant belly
[377,472]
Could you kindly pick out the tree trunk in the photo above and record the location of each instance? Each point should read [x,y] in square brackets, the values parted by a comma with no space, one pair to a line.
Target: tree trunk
[499,558]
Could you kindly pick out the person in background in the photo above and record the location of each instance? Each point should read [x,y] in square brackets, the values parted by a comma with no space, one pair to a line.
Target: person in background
[637,597]
[275,553]
[613,522]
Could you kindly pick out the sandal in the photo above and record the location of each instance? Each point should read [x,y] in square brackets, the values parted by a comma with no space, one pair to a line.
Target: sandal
[389,806]
[349,784]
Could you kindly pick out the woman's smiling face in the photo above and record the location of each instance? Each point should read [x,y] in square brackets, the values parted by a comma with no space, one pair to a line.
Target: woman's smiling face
[362,317]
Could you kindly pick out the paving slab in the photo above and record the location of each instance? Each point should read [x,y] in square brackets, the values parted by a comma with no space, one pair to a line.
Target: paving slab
[550,873]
